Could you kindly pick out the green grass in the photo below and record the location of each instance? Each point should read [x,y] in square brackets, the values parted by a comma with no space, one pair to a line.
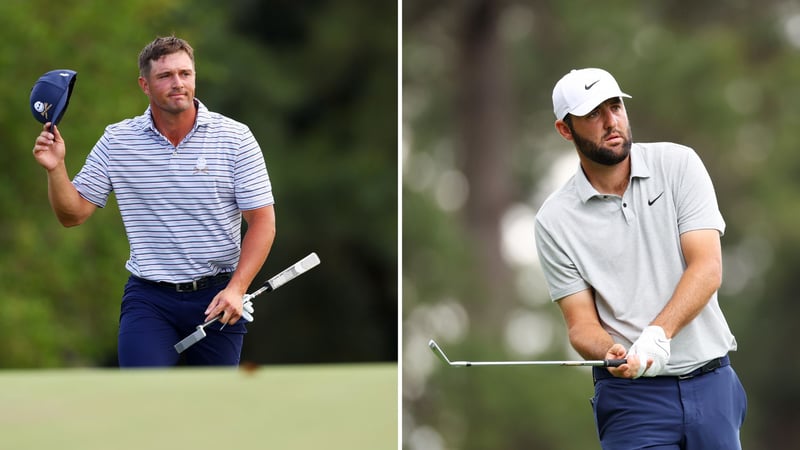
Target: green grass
[274,407]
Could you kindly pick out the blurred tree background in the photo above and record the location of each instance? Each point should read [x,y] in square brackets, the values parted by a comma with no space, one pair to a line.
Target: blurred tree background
[480,154]
[315,80]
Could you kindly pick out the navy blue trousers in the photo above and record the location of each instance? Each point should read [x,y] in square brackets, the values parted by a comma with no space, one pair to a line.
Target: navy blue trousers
[154,318]
[666,413]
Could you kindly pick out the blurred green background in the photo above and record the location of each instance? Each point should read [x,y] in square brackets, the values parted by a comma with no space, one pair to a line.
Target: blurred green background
[480,154]
[315,80]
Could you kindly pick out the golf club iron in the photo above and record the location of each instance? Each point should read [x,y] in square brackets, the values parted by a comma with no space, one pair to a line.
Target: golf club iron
[297,269]
[597,363]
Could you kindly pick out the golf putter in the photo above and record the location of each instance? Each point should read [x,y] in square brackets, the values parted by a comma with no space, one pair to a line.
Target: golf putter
[297,269]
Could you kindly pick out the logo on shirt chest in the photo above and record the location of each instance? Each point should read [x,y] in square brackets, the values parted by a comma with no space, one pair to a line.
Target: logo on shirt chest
[201,166]
[655,199]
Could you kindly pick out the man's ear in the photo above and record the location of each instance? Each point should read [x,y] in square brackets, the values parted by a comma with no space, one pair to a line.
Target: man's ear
[563,129]
[144,86]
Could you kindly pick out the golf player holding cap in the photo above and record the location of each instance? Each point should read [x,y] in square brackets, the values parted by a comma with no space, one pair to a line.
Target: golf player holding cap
[630,249]
[183,177]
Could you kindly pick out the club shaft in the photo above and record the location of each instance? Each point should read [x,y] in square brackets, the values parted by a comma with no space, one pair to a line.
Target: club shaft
[210,321]
[594,363]
[591,363]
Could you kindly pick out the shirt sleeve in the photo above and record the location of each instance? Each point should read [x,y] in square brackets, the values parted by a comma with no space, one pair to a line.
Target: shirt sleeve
[696,200]
[93,182]
[253,186]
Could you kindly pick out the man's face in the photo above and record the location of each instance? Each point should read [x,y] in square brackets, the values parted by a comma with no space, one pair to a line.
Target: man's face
[604,135]
[170,84]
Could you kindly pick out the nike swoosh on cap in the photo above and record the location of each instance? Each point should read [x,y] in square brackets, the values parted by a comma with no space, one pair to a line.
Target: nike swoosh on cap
[589,86]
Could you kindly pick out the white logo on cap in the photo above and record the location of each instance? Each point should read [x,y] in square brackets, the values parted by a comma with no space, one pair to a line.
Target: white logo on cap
[42,108]
[64,74]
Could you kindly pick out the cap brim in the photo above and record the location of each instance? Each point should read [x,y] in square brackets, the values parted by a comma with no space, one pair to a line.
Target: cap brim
[61,107]
[592,103]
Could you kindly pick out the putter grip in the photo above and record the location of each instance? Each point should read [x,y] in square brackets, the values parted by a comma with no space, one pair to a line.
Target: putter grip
[615,362]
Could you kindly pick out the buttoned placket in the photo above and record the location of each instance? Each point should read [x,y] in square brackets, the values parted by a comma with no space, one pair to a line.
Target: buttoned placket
[624,203]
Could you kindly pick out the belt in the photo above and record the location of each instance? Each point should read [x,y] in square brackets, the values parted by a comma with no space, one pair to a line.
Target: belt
[710,366]
[194,285]
[600,373]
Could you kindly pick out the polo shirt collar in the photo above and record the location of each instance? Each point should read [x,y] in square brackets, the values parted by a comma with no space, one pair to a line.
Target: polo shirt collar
[639,169]
[203,116]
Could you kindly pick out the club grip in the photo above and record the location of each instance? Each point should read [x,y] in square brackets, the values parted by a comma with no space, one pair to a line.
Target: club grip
[615,362]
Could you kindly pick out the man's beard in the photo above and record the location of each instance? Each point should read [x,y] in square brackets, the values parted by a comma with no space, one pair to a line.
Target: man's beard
[599,154]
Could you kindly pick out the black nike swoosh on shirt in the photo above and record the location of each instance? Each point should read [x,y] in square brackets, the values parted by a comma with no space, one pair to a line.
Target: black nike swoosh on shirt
[589,86]
[650,202]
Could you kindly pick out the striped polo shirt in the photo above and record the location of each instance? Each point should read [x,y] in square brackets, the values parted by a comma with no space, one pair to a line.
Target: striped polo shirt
[181,206]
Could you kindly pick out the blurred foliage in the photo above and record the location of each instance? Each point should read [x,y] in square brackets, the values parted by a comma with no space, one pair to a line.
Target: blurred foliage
[315,80]
[719,77]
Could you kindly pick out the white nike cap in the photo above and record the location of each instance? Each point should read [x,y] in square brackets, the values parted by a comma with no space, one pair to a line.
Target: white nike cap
[581,90]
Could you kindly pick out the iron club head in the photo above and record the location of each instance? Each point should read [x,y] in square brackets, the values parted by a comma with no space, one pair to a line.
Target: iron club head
[438,351]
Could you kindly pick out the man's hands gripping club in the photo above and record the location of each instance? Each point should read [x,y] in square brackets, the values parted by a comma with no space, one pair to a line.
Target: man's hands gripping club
[231,307]
[652,347]
[647,357]
[247,308]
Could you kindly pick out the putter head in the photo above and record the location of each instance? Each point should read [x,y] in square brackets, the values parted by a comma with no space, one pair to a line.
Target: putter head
[191,339]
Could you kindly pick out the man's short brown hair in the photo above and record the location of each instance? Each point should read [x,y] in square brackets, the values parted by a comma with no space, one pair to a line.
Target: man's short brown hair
[162,46]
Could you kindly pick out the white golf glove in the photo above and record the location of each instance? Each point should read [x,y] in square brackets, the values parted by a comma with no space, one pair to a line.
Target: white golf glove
[652,344]
[247,308]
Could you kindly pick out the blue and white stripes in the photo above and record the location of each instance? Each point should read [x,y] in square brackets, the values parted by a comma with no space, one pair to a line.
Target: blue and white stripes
[182,205]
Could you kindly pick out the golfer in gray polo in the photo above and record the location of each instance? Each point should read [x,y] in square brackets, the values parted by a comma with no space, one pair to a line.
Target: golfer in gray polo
[630,249]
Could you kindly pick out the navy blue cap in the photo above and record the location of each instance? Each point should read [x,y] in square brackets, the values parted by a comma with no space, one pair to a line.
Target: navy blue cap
[50,95]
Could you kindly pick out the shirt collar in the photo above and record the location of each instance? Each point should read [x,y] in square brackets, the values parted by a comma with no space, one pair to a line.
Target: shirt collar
[639,169]
[203,116]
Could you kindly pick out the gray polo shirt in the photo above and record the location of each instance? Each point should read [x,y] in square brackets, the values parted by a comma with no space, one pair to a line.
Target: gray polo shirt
[628,248]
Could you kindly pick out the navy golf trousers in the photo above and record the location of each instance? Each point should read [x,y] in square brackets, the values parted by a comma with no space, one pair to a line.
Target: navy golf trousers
[703,412]
[154,318]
